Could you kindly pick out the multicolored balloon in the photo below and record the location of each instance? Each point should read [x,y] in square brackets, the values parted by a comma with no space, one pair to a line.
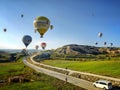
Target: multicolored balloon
[43,45]
[41,24]
[27,40]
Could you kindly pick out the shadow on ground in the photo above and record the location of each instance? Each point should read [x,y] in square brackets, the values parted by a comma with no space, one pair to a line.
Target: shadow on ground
[116,88]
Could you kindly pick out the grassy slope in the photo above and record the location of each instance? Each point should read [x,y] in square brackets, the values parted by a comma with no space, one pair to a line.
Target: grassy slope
[48,84]
[11,68]
[42,82]
[108,68]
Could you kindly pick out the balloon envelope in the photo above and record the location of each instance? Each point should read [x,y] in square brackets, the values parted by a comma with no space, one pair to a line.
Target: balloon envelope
[4,29]
[41,24]
[22,15]
[51,27]
[111,44]
[100,35]
[36,47]
[27,40]
[105,43]
[96,43]
[43,45]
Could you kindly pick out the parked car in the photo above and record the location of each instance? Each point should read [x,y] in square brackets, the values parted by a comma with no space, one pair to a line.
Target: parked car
[106,85]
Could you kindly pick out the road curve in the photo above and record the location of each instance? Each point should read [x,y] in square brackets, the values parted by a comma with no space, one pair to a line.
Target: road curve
[78,82]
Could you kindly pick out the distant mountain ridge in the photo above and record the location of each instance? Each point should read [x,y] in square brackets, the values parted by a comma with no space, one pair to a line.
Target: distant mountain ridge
[17,50]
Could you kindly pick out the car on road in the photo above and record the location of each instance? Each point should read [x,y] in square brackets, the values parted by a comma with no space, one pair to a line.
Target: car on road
[106,85]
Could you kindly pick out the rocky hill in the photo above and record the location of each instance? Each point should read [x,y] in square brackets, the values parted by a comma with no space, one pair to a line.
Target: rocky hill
[74,49]
[80,51]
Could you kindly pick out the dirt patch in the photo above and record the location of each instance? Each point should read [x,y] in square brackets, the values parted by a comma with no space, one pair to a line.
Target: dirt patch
[16,79]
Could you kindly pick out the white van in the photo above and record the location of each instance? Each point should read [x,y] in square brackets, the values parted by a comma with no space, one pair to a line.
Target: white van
[106,85]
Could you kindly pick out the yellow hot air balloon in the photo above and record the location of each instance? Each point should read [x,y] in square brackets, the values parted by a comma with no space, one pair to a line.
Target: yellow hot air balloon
[41,24]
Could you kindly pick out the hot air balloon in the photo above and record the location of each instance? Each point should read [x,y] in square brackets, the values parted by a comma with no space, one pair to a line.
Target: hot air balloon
[36,47]
[4,29]
[111,44]
[105,43]
[51,27]
[22,15]
[96,43]
[27,40]
[43,45]
[100,35]
[41,24]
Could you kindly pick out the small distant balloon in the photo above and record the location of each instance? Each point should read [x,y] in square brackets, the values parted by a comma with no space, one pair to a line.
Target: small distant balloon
[22,15]
[27,40]
[36,47]
[96,43]
[100,35]
[111,44]
[51,27]
[4,29]
[105,43]
[43,45]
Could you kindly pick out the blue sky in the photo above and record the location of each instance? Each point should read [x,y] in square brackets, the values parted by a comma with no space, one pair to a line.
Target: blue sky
[74,21]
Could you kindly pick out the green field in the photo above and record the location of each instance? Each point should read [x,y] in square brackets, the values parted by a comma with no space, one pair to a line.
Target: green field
[48,83]
[40,81]
[107,68]
[12,68]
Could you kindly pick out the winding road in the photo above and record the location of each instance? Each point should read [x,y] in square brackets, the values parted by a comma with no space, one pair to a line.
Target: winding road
[78,82]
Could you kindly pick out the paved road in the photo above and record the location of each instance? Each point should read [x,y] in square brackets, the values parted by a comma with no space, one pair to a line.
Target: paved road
[78,82]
